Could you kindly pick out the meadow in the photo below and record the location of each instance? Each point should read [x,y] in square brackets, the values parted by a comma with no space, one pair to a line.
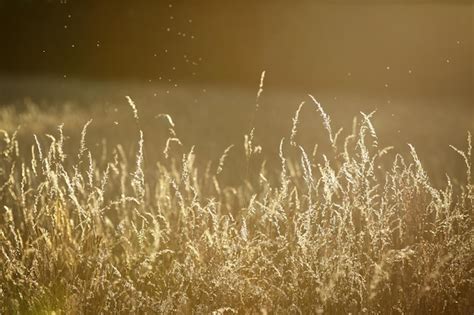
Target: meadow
[124,208]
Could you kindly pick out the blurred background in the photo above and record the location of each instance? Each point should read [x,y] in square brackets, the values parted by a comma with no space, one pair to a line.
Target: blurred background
[201,61]
[303,45]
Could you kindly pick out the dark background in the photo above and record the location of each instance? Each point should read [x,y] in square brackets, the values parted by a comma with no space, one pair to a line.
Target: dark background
[343,45]
[200,61]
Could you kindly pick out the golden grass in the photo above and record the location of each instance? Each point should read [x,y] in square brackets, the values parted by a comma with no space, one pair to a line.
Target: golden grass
[352,229]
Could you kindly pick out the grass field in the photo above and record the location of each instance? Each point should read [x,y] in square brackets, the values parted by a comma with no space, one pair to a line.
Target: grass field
[148,208]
